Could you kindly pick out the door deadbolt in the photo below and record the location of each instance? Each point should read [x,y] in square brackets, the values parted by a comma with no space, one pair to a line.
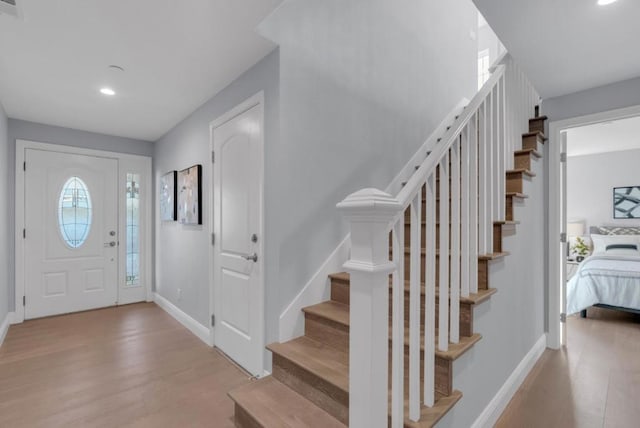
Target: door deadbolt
[254,238]
[112,233]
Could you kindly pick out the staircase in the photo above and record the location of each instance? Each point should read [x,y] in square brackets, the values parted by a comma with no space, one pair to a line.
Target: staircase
[310,382]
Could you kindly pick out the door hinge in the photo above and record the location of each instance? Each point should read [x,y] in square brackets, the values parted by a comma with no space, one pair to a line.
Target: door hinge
[24,300]
[213,157]
[24,233]
[563,317]
[213,239]
[213,320]
[563,237]
[563,157]
[24,166]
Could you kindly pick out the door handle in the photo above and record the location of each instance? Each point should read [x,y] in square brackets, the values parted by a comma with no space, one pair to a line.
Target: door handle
[110,244]
[253,257]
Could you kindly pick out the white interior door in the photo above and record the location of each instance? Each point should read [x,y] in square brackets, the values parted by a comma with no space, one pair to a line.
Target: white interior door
[71,224]
[237,222]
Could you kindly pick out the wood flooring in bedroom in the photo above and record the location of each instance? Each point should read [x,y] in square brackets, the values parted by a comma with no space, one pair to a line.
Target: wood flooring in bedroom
[132,365]
[593,382]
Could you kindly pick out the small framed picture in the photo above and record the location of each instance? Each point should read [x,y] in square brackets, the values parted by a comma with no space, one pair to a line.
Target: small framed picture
[190,195]
[626,202]
[168,200]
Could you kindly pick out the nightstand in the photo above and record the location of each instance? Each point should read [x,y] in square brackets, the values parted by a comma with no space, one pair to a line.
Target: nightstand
[572,268]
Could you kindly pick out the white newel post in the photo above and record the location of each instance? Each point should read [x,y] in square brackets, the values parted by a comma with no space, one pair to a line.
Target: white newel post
[370,213]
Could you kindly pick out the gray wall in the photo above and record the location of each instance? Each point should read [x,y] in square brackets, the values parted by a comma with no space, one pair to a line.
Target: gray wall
[363,83]
[590,183]
[5,247]
[23,130]
[181,258]
[514,318]
[603,98]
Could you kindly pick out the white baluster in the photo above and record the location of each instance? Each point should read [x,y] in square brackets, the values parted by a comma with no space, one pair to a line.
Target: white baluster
[482,177]
[473,204]
[397,320]
[455,242]
[430,292]
[370,212]
[414,308]
[443,283]
[464,213]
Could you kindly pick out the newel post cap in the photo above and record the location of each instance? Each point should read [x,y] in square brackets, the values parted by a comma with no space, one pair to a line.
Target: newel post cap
[370,205]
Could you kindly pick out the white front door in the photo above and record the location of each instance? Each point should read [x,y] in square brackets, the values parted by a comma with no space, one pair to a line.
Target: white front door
[71,226]
[237,194]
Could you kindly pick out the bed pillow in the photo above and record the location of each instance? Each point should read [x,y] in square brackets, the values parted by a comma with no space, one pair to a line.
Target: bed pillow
[622,250]
[600,242]
[619,230]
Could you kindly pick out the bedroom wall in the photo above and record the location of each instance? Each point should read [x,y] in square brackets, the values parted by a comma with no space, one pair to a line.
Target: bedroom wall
[24,130]
[590,183]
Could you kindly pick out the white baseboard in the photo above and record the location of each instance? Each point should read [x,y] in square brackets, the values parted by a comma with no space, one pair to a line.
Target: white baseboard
[315,291]
[4,327]
[496,406]
[194,326]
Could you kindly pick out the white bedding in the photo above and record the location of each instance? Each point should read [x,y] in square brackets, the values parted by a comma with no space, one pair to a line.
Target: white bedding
[605,279]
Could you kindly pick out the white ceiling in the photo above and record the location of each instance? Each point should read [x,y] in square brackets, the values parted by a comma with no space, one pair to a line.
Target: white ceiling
[604,137]
[569,45]
[176,56]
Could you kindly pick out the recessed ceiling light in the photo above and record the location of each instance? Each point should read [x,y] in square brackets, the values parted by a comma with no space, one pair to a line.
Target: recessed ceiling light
[107,91]
[606,2]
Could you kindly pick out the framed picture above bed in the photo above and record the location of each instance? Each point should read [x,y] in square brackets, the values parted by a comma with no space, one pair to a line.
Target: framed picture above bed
[626,202]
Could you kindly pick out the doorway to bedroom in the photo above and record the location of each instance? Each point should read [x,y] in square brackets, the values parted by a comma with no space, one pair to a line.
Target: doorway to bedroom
[600,216]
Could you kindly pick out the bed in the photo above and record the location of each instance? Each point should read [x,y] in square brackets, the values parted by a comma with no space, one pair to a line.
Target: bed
[610,277]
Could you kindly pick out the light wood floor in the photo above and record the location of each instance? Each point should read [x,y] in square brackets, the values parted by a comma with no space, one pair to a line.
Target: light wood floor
[127,366]
[594,382]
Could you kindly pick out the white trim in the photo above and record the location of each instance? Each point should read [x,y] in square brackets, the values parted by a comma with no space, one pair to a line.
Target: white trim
[4,327]
[554,214]
[191,324]
[255,100]
[123,158]
[499,402]
[316,290]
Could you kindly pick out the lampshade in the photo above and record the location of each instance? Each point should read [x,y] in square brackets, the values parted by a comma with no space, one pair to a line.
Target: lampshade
[575,228]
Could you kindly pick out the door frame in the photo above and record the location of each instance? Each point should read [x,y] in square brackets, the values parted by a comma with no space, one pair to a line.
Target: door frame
[253,101]
[555,255]
[126,163]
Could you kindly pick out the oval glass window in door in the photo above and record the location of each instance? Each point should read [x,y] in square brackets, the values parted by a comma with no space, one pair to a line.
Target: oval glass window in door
[74,212]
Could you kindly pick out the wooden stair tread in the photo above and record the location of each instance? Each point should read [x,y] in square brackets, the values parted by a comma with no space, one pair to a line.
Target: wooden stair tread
[473,299]
[522,171]
[534,134]
[326,362]
[517,195]
[331,310]
[506,222]
[454,351]
[338,312]
[533,152]
[273,404]
[429,416]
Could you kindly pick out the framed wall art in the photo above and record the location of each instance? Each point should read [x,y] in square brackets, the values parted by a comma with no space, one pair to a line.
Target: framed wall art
[626,202]
[190,195]
[168,200]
